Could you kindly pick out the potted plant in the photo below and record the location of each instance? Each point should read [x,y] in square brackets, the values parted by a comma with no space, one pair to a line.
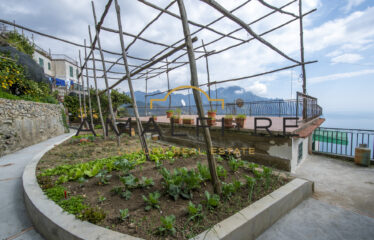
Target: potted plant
[212,113]
[240,120]
[188,121]
[211,121]
[154,118]
[177,118]
[169,113]
[228,121]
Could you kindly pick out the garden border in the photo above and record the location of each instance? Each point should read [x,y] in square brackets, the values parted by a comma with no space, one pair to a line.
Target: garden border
[53,223]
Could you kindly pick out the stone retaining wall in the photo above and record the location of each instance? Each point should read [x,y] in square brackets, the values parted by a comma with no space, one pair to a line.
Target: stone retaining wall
[24,123]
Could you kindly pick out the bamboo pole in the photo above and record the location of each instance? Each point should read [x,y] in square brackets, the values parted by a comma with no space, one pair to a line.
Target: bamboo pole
[145,96]
[150,64]
[167,77]
[237,20]
[80,99]
[96,89]
[84,94]
[207,71]
[110,105]
[275,8]
[138,122]
[88,87]
[194,82]
[302,57]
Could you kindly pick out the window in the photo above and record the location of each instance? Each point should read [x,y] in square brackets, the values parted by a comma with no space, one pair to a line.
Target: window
[49,66]
[71,71]
[41,62]
[300,152]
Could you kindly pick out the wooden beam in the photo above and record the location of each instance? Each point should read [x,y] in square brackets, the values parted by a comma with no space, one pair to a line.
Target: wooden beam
[150,64]
[96,89]
[302,57]
[88,87]
[207,71]
[134,104]
[195,82]
[237,20]
[110,105]
[276,9]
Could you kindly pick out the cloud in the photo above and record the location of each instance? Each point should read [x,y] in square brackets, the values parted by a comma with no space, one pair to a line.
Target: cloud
[258,88]
[347,58]
[339,76]
[351,4]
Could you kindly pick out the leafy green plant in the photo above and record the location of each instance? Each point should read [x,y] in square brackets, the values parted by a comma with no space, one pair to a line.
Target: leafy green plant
[221,171]
[167,226]
[19,41]
[152,201]
[124,165]
[55,193]
[126,195]
[251,184]
[73,205]
[45,182]
[219,158]
[194,212]
[104,177]
[93,215]
[116,190]
[228,189]
[211,201]
[267,172]
[204,171]
[130,181]
[235,164]
[124,214]
[257,173]
[101,199]
[147,182]
[229,116]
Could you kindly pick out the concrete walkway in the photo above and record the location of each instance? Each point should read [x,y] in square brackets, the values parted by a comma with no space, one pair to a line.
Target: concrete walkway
[342,207]
[14,222]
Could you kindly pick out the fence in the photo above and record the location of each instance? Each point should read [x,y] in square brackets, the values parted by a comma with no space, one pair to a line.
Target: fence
[342,142]
[311,110]
[273,108]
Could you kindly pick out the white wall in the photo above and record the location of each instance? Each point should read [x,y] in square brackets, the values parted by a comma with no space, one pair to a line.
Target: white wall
[46,60]
[295,152]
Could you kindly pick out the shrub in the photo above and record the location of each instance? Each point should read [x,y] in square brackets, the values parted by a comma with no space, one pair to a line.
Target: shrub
[93,215]
[20,42]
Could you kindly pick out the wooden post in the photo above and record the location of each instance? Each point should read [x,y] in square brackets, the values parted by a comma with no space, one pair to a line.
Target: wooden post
[207,71]
[194,82]
[124,56]
[105,75]
[84,94]
[88,85]
[95,80]
[146,92]
[79,95]
[167,77]
[302,58]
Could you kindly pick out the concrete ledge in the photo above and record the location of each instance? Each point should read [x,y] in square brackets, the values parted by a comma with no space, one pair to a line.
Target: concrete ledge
[250,222]
[55,224]
[50,220]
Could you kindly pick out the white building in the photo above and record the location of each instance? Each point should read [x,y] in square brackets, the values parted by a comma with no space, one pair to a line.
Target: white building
[60,69]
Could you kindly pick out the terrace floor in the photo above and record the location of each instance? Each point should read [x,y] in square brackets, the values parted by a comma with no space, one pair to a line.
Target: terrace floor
[277,122]
[341,208]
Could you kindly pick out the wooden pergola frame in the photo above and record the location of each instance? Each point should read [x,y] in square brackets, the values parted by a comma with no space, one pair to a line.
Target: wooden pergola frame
[168,62]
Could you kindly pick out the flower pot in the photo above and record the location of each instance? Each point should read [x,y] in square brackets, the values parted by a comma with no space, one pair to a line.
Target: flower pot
[154,118]
[188,121]
[212,114]
[211,122]
[240,122]
[177,120]
[228,122]
[169,114]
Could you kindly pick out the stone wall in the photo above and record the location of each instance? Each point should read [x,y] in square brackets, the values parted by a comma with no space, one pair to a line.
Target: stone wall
[24,123]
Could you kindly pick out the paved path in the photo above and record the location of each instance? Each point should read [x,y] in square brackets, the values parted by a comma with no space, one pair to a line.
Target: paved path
[342,207]
[14,222]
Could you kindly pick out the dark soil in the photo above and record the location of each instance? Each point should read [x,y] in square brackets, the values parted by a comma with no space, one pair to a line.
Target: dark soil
[141,223]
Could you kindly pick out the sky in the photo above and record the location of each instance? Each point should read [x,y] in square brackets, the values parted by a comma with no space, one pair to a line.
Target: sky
[339,35]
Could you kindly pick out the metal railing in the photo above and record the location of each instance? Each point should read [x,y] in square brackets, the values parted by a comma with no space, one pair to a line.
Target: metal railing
[312,109]
[64,57]
[272,108]
[341,142]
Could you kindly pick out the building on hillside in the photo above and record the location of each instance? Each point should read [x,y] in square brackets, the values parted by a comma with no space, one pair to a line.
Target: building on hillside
[61,70]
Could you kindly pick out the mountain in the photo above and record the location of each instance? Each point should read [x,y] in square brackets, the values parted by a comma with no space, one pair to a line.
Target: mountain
[229,94]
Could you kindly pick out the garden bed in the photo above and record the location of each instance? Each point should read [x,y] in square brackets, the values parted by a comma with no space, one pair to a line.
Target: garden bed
[100,180]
